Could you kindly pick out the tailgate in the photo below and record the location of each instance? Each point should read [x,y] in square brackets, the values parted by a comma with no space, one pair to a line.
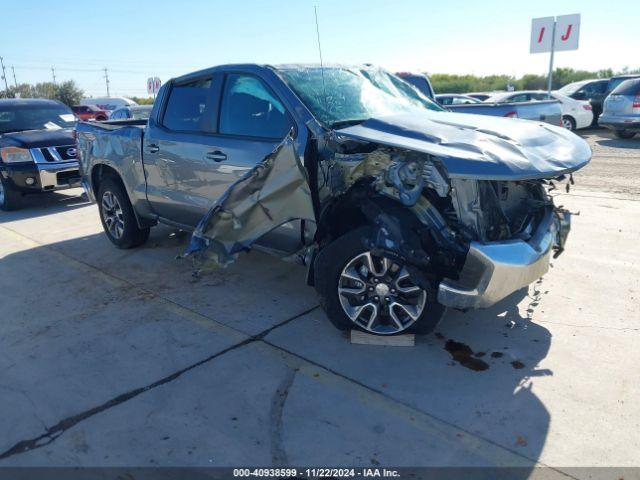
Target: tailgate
[619,105]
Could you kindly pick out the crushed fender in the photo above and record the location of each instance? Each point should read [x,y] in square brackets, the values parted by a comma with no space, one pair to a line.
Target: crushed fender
[272,193]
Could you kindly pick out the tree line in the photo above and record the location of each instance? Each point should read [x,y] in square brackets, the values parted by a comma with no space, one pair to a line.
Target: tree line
[66,92]
[447,83]
[70,94]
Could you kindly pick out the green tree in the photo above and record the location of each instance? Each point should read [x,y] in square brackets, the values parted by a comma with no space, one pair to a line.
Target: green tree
[66,92]
[69,93]
[143,100]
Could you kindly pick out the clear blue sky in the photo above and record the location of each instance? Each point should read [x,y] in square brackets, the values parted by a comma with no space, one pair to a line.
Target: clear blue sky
[137,39]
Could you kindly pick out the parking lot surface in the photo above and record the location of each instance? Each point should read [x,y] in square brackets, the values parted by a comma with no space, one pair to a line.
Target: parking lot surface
[112,357]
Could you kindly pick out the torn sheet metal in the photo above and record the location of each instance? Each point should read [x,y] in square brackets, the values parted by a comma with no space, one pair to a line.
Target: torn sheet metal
[479,147]
[272,193]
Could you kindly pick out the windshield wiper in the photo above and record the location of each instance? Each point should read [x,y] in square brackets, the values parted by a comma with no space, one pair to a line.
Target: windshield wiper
[347,123]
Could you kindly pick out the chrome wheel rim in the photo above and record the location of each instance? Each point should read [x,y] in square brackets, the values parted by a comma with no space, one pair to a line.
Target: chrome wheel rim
[1,193]
[566,123]
[112,215]
[378,295]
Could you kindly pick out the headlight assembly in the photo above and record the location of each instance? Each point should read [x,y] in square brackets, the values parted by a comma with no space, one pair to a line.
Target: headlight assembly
[15,155]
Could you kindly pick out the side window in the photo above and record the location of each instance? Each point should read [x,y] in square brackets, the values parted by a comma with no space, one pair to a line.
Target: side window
[601,87]
[115,115]
[589,89]
[249,108]
[445,101]
[189,107]
[539,96]
[523,97]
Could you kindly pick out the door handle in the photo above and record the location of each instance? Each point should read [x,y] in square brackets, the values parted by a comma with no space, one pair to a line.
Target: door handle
[153,148]
[216,156]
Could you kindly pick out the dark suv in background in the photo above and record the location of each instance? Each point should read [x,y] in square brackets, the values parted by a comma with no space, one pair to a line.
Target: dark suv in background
[37,149]
[622,109]
[594,90]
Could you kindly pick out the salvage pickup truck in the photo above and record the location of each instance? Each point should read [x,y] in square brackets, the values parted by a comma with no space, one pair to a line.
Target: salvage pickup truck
[398,208]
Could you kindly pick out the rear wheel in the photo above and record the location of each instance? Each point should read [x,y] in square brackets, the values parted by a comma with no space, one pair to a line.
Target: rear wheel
[569,123]
[361,290]
[624,134]
[117,216]
[10,198]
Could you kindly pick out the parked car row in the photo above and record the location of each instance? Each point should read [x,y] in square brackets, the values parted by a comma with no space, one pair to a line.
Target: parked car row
[581,103]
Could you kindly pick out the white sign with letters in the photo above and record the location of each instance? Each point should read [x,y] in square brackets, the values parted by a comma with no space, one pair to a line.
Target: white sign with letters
[541,34]
[153,85]
[567,33]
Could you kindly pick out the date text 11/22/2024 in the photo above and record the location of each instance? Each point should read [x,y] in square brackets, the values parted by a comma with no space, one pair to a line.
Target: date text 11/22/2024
[317,472]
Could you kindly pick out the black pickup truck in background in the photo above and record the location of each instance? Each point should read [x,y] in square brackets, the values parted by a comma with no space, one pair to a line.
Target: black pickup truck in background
[37,149]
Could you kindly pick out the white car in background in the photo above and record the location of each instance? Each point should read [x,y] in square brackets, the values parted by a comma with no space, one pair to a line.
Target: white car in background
[575,113]
[108,103]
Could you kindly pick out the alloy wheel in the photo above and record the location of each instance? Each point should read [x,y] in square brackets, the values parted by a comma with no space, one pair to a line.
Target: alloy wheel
[378,295]
[112,215]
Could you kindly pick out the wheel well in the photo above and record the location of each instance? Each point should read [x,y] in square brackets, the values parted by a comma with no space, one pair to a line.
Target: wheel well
[99,173]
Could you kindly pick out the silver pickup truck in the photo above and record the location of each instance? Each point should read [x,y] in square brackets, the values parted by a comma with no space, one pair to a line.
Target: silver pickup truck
[398,209]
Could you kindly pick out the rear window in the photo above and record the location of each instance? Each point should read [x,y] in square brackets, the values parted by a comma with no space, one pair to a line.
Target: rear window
[628,87]
[615,82]
[189,107]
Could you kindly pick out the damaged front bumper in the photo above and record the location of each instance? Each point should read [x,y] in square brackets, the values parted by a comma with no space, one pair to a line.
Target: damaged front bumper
[494,270]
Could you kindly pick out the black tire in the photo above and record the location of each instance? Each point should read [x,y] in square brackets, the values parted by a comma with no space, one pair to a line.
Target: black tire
[10,198]
[625,134]
[328,267]
[569,123]
[131,235]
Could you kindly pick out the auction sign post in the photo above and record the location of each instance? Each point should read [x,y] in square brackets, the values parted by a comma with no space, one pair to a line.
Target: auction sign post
[153,85]
[554,34]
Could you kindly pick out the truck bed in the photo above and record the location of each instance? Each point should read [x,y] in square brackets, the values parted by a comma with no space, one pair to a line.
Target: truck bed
[117,145]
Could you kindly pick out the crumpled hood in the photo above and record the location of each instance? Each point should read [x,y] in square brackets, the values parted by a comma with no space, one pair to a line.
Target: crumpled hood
[38,138]
[479,146]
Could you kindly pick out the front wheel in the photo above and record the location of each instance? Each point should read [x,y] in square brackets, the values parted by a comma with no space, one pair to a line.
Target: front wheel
[117,216]
[10,198]
[569,123]
[626,134]
[359,289]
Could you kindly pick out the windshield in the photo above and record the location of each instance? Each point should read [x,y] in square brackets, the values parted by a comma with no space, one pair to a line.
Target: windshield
[18,118]
[141,113]
[348,96]
[572,88]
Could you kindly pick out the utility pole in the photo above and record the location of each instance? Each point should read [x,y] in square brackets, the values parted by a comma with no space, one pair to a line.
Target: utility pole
[106,80]
[53,72]
[14,76]
[4,76]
